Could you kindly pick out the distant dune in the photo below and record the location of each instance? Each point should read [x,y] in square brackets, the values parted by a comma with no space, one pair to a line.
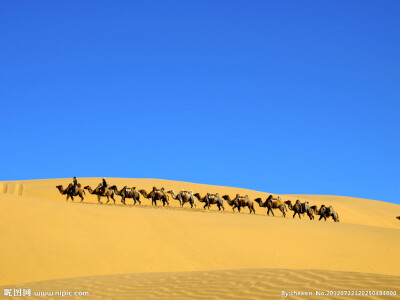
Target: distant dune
[48,242]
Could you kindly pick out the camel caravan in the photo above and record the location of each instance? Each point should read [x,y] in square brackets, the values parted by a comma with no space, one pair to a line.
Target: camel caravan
[103,190]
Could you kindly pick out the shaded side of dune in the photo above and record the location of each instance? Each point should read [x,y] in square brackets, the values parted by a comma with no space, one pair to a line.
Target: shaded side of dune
[224,284]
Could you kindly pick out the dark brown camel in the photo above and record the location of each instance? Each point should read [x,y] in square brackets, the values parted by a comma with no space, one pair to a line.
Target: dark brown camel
[210,199]
[325,212]
[155,195]
[300,208]
[239,202]
[104,192]
[271,204]
[126,192]
[70,193]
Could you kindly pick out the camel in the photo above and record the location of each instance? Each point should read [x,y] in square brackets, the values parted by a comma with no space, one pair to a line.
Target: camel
[184,197]
[300,208]
[398,218]
[325,212]
[70,194]
[271,204]
[105,192]
[126,192]
[210,199]
[155,195]
[239,202]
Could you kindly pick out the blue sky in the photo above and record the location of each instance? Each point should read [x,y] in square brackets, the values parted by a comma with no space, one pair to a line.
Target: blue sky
[276,96]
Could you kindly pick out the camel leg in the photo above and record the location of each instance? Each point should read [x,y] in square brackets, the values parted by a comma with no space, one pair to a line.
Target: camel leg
[205,205]
[81,195]
[98,199]
[272,211]
[283,211]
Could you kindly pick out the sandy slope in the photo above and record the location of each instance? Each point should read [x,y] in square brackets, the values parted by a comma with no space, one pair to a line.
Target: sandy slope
[43,237]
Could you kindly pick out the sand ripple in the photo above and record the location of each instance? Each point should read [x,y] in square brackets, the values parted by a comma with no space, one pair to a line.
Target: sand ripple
[225,284]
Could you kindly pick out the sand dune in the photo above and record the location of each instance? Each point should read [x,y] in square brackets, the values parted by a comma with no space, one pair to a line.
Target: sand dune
[44,238]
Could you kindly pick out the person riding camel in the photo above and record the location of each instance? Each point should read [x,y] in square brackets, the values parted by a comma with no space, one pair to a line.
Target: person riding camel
[75,184]
[103,186]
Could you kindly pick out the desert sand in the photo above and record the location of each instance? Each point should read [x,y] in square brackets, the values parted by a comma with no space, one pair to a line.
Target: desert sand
[121,252]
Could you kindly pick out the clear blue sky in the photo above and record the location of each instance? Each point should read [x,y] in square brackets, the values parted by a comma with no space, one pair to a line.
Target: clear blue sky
[275,96]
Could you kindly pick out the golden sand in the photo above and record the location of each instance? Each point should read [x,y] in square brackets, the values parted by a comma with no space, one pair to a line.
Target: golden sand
[46,240]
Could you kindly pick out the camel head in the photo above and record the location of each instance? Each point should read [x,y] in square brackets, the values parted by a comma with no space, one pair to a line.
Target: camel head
[289,204]
[59,186]
[228,199]
[170,192]
[258,200]
[113,187]
[197,195]
[86,187]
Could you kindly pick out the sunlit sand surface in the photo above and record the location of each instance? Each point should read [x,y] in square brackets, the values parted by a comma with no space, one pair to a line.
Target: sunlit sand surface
[173,252]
